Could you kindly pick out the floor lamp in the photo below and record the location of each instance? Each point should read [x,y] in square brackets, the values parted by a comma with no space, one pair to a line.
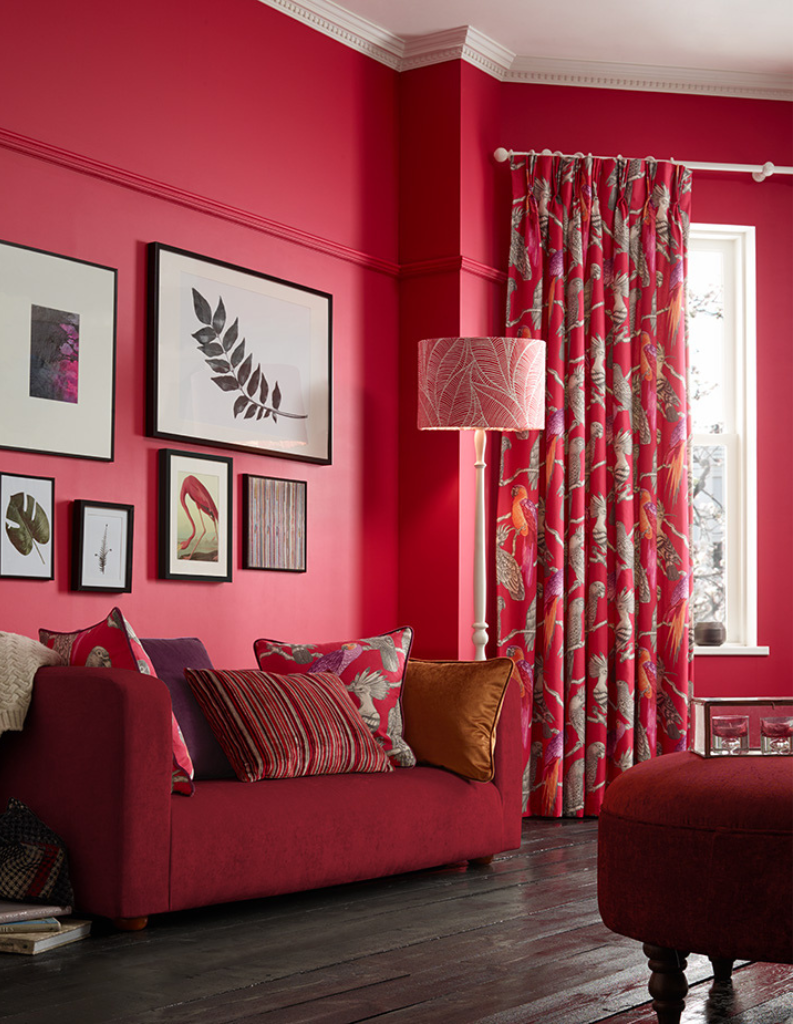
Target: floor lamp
[481,384]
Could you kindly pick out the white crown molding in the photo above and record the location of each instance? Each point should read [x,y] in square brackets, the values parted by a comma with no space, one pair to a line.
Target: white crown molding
[653,78]
[462,43]
[468,44]
[346,27]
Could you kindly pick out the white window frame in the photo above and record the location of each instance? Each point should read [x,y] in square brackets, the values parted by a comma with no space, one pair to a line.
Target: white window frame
[737,244]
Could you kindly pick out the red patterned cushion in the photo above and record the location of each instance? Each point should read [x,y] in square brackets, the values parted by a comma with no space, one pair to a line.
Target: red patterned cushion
[112,642]
[372,669]
[278,727]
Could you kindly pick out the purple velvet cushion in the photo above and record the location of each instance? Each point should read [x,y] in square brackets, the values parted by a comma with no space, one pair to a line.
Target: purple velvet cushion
[170,658]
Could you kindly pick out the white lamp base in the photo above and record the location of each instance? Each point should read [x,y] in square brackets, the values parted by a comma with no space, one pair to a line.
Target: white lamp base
[480,636]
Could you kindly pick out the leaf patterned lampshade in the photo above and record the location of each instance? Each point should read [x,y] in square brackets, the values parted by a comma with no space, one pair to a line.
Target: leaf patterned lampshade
[481,383]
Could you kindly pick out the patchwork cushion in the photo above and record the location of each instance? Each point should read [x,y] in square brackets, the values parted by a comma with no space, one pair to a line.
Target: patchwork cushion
[451,711]
[372,669]
[112,642]
[278,727]
[33,862]
[170,657]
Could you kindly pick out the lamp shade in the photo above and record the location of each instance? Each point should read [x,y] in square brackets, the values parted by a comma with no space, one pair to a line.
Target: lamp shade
[481,384]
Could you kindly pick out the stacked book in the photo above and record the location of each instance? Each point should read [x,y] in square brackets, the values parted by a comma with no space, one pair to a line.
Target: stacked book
[35,927]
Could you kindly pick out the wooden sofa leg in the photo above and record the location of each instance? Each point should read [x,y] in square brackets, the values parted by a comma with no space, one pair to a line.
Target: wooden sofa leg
[130,924]
[482,861]
[722,969]
[668,985]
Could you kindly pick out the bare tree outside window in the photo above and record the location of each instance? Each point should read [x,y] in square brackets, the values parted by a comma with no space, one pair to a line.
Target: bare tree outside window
[709,528]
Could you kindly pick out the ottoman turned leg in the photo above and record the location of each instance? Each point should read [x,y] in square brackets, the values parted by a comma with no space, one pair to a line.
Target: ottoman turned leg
[722,969]
[668,985]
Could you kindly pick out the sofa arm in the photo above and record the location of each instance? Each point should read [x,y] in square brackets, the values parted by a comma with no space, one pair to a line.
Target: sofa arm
[93,761]
[448,710]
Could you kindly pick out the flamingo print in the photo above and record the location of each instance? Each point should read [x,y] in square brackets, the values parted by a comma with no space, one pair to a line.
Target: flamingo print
[202,499]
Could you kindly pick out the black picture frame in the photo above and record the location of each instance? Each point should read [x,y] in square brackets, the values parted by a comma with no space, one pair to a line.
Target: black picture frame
[274,523]
[238,359]
[102,538]
[27,541]
[195,495]
[58,386]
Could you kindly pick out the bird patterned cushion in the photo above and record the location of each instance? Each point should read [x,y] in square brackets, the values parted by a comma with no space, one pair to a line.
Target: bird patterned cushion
[280,727]
[112,643]
[372,669]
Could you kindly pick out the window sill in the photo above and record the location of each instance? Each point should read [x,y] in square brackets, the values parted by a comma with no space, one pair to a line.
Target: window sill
[732,649]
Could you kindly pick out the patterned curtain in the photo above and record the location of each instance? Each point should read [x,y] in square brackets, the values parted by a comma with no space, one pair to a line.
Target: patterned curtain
[593,567]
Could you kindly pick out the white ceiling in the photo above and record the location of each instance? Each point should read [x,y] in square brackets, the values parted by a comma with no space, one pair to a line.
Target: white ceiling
[729,35]
[727,47]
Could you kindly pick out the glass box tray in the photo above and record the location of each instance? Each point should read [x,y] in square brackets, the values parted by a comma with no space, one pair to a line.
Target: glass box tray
[742,726]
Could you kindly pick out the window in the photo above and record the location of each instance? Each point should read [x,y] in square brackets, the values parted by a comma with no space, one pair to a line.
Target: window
[722,387]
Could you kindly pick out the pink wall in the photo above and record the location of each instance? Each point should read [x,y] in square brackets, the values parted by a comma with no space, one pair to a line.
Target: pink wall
[335,171]
[255,111]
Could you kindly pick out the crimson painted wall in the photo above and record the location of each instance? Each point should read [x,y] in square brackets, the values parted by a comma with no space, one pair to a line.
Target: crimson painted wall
[241,105]
[117,123]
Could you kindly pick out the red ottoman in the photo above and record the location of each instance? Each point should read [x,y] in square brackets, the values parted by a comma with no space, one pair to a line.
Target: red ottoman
[696,855]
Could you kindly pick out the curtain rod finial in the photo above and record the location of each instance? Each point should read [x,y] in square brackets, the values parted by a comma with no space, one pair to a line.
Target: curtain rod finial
[765,171]
[502,155]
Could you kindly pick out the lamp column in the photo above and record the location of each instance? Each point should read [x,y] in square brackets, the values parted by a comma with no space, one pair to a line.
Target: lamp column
[480,561]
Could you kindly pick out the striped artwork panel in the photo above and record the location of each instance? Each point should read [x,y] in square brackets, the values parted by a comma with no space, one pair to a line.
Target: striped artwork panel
[275,523]
[278,727]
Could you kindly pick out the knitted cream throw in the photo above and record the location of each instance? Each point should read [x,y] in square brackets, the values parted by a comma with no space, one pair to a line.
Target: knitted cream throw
[20,659]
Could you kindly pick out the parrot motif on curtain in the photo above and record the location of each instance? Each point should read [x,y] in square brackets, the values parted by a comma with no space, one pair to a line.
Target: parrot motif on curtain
[593,564]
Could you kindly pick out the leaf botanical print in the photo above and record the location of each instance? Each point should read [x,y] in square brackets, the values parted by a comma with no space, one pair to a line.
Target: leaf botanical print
[27,524]
[226,357]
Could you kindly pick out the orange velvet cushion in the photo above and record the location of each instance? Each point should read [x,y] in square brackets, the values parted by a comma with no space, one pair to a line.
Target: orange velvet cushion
[451,710]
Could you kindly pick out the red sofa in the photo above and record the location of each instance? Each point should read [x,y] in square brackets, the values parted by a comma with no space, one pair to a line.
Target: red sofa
[94,763]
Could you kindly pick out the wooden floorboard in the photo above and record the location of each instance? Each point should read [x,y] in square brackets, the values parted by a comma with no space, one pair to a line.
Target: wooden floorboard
[517,942]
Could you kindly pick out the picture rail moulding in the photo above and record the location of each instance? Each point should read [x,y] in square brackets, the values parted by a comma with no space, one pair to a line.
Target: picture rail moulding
[202,204]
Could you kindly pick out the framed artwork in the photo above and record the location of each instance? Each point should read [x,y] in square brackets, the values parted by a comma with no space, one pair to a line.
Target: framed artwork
[238,359]
[195,516]
[27,541]
[57,388]
[102,546]
[273,523]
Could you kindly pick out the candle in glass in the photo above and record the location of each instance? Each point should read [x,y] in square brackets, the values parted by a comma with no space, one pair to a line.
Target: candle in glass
[730,734]
[776,734]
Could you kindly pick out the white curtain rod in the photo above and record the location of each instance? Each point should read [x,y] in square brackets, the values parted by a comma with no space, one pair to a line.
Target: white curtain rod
[759,173]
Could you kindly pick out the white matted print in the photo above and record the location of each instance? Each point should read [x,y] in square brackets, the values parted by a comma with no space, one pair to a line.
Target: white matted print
[102,546]
[195,516]
[57,388]
[27,504]
[238,359]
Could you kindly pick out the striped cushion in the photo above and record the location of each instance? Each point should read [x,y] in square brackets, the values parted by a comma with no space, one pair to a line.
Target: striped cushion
[277,727]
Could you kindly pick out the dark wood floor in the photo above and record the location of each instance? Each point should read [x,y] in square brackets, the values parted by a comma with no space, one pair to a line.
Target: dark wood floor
[518,942]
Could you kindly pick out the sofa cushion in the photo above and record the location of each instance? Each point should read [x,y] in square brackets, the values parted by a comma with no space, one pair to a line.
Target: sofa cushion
[278,727]
[112,642]
[170,657]
[372,669]
[451,711]
[296,834]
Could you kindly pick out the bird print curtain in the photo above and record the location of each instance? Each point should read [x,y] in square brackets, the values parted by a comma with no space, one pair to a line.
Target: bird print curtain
[593,563]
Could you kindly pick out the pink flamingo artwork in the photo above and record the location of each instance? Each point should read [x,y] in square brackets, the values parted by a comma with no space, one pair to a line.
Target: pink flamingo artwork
[205,506]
